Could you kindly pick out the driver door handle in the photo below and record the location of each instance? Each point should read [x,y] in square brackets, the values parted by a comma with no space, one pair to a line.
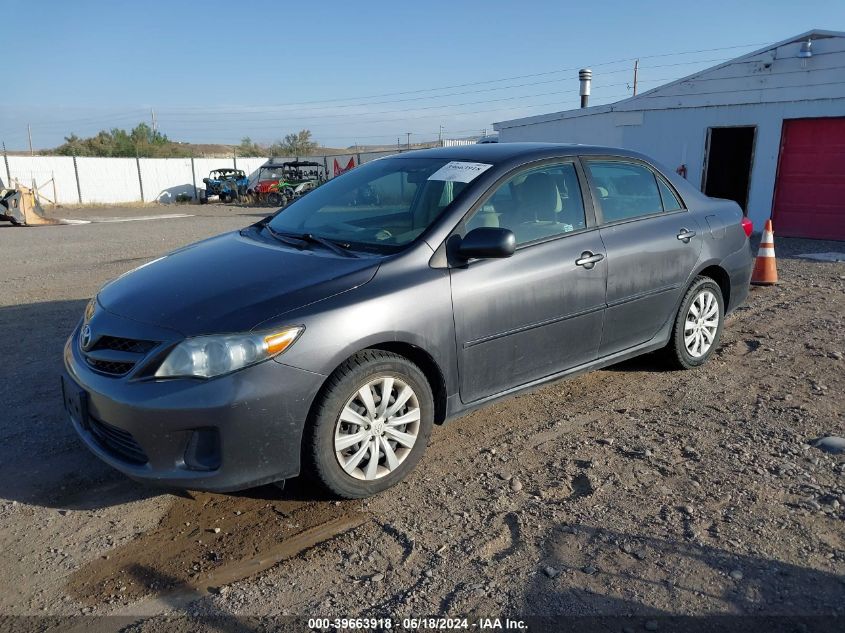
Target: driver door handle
[685,236]
[588,259]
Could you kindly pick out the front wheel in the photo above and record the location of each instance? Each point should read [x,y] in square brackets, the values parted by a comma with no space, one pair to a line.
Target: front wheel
[698,325]
[371,425]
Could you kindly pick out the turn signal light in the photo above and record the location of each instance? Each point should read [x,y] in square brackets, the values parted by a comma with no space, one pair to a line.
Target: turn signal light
[747,226]
[279,342]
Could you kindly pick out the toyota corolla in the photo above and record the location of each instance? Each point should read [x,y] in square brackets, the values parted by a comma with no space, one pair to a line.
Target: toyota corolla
[333,335]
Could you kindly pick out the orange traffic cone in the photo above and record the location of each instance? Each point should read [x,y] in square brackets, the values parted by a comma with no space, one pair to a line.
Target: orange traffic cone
[765,269]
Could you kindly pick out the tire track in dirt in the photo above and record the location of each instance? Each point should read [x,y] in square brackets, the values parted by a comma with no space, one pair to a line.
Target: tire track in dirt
[206,541]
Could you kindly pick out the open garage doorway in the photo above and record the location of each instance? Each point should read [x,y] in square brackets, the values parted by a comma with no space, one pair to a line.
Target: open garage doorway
[727,164]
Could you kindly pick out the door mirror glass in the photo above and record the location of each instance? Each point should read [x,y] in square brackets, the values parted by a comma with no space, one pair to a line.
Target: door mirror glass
[487,243]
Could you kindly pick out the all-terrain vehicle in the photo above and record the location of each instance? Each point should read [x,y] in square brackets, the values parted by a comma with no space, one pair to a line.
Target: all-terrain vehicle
[280,183]
[226,183]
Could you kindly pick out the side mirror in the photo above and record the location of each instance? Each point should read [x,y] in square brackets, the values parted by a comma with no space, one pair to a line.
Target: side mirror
[487,243]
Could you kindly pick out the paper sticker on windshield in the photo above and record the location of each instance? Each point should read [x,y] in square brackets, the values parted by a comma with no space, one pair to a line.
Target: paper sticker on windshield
[459,171]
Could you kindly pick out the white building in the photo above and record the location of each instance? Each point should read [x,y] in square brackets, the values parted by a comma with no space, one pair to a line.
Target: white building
[766,129]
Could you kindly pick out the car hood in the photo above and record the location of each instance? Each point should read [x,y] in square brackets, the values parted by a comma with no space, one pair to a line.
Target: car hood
[231,283]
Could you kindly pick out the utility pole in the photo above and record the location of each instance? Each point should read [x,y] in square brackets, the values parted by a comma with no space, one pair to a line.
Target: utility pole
[155,124]
[29,132]
[440,136]
[636,70]
[409,139]
[6,160]
[398,144]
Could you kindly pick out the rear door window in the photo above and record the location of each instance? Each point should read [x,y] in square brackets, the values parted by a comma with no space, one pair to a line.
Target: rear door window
[624,190]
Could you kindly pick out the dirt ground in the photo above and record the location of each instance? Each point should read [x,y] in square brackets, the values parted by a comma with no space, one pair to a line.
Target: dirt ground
[632,491]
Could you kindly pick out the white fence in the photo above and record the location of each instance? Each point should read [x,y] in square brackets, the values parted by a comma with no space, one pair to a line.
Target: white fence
[458,142]
[85,180]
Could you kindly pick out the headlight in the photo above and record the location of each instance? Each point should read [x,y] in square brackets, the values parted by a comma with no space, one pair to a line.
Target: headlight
[89,309]
[208,356]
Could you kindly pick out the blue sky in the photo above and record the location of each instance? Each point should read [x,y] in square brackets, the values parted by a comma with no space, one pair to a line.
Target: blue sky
[365,71]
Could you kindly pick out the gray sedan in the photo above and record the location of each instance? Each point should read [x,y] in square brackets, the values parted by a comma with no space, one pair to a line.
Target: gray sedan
[332,336]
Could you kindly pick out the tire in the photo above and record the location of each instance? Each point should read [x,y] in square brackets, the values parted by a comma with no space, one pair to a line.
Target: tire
[203,199]
[274,199]
[370,371]
[225,197]
[703,295]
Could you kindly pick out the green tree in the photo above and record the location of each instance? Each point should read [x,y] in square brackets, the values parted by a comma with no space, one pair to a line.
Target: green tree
[248,148]
[140,141]
[298,144]
[73,145]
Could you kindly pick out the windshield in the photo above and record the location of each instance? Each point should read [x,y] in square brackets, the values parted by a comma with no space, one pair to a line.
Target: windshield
[271,174]
[387,203]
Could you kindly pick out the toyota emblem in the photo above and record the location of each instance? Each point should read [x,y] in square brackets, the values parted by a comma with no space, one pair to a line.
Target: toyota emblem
[85,337]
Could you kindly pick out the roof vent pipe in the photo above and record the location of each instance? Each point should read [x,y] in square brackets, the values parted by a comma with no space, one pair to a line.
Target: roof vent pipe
[585,75]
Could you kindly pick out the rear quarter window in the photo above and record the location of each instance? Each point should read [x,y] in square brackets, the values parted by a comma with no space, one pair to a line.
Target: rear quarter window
[670,200]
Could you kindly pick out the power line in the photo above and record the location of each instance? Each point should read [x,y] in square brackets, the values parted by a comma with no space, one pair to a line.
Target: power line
[417,109]
[489,81]
[181,114]
[139,113]
[457,114]
[274,109]
[126,116]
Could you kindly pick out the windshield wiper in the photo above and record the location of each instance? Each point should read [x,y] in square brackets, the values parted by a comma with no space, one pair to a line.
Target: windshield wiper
[341,248]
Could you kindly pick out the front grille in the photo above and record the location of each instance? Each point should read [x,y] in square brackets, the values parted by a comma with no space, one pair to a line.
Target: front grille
[117,441]
[124,344]
[116,356]
[109,367]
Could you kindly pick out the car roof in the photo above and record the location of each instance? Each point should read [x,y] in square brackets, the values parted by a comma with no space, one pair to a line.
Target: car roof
[502,152]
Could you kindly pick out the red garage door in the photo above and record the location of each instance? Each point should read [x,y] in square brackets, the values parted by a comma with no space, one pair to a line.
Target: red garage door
[810,188]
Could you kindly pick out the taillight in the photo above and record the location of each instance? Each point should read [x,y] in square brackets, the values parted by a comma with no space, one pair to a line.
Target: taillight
[747,226]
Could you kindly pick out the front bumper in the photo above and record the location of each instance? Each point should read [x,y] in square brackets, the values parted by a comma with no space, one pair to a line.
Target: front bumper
[229,433]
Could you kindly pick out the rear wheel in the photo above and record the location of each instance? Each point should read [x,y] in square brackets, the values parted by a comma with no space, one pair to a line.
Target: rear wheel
[371,425]
[698,325]
[274,199]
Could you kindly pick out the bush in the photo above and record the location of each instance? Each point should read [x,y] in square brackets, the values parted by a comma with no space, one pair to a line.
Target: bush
[141,141]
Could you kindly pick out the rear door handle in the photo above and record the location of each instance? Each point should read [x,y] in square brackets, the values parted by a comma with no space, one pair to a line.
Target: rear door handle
[685,236]
[588,260]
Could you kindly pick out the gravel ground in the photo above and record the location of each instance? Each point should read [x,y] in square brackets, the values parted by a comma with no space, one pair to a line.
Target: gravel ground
[628,491]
